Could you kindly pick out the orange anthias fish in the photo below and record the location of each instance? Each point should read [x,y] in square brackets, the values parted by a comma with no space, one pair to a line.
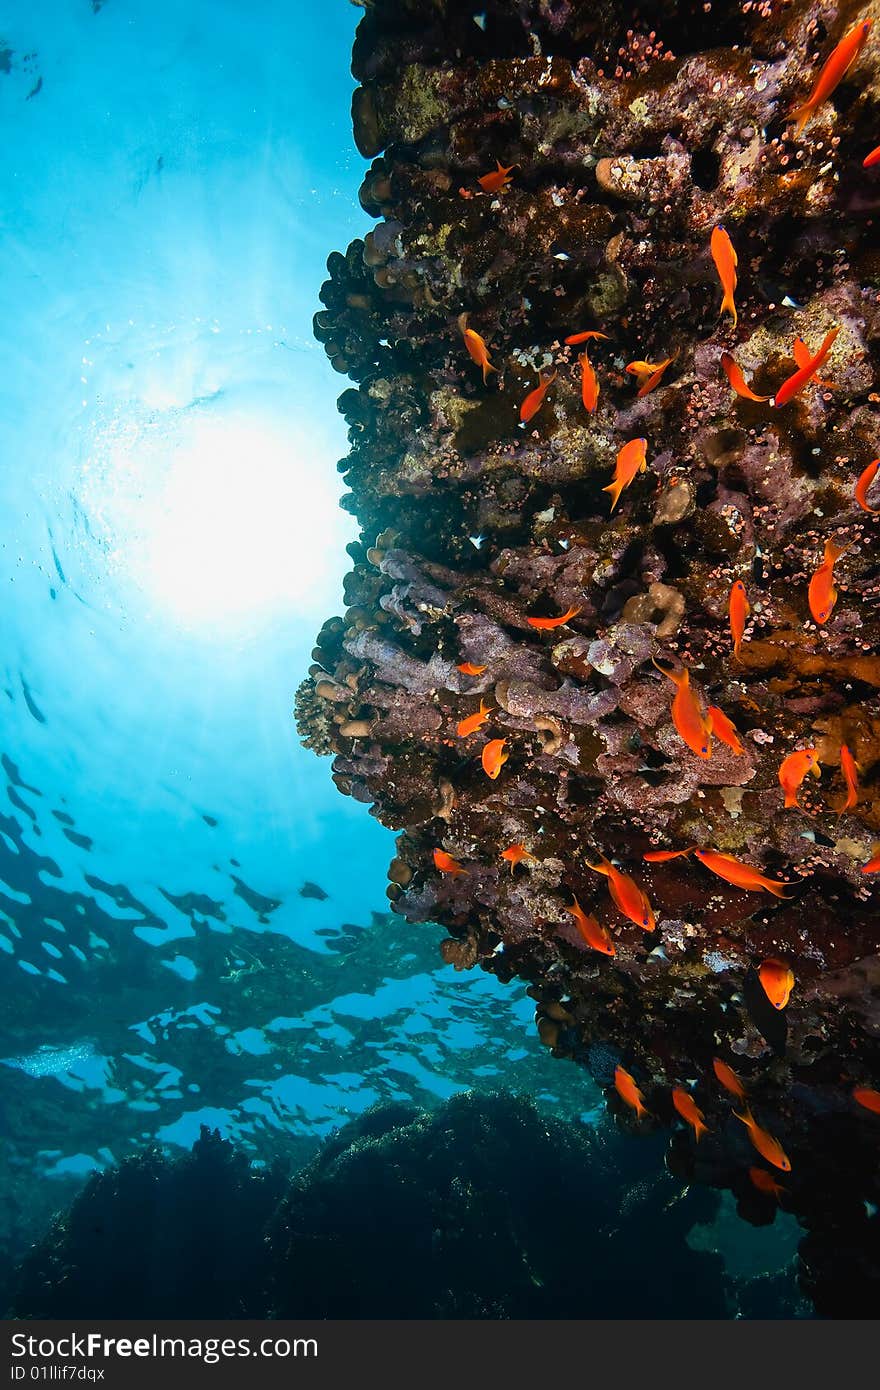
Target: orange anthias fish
[662,856]
[629,1093]
[793,770]
[734,375]
[476,346]
[649,373]
[767,1146]
[850,769]
[473,721]
[834,70]
[574,339]
[765,1183]
[872,866]
[871,159]
[863,485]
[798,380]
[545,624]
[801,354]
[739,610]
[515,854]
[728,1078]
[740,875]
[493,757]
[627,895]
[689,1110]
[446,864]
[469,669]
[867,1097]
[498,180]
[595,935]
[535,399]
[724,728]
[777,981]
[687,716]
[822,594]
[589,384]
[631,459]
[725,259]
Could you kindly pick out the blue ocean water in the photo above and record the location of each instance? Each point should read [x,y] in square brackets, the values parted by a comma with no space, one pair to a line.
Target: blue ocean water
[174,176]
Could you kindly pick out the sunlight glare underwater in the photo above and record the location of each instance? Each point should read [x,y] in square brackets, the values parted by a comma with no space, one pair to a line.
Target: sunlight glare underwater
[218,515]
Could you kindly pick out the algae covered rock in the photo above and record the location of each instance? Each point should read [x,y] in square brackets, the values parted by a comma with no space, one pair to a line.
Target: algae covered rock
[629,141]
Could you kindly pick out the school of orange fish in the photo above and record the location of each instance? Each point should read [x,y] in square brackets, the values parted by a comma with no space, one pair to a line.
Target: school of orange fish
[696,726]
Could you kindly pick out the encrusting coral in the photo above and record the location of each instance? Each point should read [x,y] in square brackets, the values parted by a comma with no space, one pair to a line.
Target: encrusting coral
[629,139]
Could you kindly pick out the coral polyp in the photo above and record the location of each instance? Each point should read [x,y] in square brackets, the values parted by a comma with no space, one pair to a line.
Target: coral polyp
[631,141]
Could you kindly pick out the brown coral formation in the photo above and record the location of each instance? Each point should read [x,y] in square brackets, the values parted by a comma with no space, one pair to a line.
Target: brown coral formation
[632,137]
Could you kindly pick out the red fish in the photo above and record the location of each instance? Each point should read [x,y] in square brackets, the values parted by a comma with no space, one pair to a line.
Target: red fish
[872,866]
[687,716]
[850,769]
[662,856]
[535,399]
[801,354]
[629,1093]
[871,159]
[650,374]
[740,875]
[476,346]
[493,757]
[777,981]
[798,380]
[446,864]
[728,1078]
[545,624]
[867,1097]
[863,485]
[473,721]
[723,728]
[589,384]
[833,71]
[469,669]
[822,594]
[576,338]
[793,770]
[627,895]
[631,459]
[734,375]
[689,1111]
[765,1183]
[498,180]
[767,1146]
[515,854]
[725,259]
[738,608]
[595,935]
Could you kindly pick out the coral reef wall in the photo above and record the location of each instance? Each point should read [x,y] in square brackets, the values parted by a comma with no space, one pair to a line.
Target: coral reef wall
[630,134]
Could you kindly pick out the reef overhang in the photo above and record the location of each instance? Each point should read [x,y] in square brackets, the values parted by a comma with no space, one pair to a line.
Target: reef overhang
[630,136]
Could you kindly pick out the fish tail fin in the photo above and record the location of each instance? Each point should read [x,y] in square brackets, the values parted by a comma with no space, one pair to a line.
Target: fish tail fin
[728,304]
[487,367]
[678,678]
[699,1130]
[833,551]
[790,799]
[615,489]
[778,890]
[801,115]
[748,1118]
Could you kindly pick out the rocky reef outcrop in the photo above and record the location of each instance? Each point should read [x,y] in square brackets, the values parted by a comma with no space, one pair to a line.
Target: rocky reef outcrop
[630,135]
